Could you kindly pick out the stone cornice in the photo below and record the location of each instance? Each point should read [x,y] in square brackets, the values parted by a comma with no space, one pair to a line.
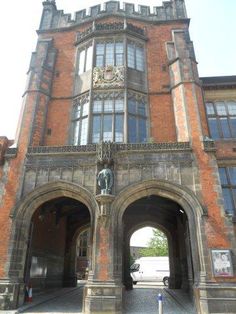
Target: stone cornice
[91,148]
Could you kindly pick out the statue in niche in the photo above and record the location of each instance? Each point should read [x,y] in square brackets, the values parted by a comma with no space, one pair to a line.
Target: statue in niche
[105,180]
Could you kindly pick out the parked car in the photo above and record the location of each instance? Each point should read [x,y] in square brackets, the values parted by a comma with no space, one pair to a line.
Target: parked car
[151,269]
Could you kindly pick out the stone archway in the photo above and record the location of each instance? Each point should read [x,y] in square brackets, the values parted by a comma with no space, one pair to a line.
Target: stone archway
[182,196]
[22,216]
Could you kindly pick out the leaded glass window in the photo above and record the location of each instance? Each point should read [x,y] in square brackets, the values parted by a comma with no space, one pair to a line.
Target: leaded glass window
[228,184]
[135,56]
[109,53]
[108,117]
[137,119]
[80,121]
[221,117]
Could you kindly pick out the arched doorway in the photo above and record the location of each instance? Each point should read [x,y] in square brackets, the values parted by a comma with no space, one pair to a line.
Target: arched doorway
[168,216]
[175,210]
[45,227]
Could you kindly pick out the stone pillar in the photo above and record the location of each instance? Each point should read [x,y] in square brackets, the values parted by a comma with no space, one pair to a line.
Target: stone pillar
[103,293]
[185,86]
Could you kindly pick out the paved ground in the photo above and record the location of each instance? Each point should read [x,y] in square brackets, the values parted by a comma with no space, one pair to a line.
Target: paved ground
[141,300]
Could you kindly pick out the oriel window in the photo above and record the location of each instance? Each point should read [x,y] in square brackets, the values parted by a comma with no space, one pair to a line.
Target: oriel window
[109,53]
[108,117]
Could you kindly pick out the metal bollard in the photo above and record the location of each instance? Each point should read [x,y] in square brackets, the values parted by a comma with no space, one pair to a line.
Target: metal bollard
[160,305]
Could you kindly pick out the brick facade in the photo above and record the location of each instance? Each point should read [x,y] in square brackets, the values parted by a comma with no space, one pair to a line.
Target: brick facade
[49,189]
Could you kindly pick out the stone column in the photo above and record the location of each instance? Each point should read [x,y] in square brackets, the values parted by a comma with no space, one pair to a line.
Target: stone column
[103,293]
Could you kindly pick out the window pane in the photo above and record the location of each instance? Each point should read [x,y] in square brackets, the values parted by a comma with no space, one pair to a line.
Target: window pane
[119,47]
[81,61]
[141,109]
[131,52]
[108,105]
[85,109]
[225,127]
[119,53]
[119,105]
[132,106]
[228,201]
[107,128]
[99,61]
[210,108]
[84,131]
[119,59]
[142,131]
[76,133]
[99,49]
[96,129]
[89,58]
[233,126]
[223,176]
[110,54]
[232,108]
[119,128]
[220,108]
[97,106]
[77,111]
[132,129]
[214,128]
[232,175]
[139,59]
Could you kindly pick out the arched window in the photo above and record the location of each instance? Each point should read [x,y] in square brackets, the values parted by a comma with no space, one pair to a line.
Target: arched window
[83,244]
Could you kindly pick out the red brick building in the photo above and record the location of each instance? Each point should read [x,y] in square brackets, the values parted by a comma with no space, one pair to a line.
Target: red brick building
[118,132]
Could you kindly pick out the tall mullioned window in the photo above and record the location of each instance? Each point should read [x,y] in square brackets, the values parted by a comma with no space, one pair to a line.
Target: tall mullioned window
[137,119]
[85,57]
[108,118]
[80,121]
[221,117]
[228,184]
[109,53]
[135,56]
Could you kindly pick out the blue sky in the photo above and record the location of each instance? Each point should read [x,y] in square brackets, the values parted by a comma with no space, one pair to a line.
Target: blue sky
[212,29]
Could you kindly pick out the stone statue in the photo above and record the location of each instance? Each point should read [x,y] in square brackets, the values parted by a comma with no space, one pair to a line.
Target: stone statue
[105,180]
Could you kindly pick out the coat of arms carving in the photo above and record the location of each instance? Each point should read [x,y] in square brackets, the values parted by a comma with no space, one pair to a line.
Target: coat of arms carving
[109,76]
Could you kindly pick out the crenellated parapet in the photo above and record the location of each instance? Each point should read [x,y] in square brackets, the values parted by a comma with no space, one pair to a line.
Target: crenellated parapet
[54,19]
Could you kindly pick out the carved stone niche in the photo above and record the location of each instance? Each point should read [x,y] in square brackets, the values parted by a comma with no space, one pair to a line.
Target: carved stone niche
[108,77]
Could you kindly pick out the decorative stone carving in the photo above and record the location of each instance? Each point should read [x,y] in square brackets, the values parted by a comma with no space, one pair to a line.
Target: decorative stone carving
[209,144]
[108,77]
[105,152]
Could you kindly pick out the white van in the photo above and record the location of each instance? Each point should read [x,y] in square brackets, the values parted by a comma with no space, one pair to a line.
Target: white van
[151,269]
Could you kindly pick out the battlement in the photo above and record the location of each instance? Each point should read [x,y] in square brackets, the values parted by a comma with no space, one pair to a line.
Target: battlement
[54,19]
